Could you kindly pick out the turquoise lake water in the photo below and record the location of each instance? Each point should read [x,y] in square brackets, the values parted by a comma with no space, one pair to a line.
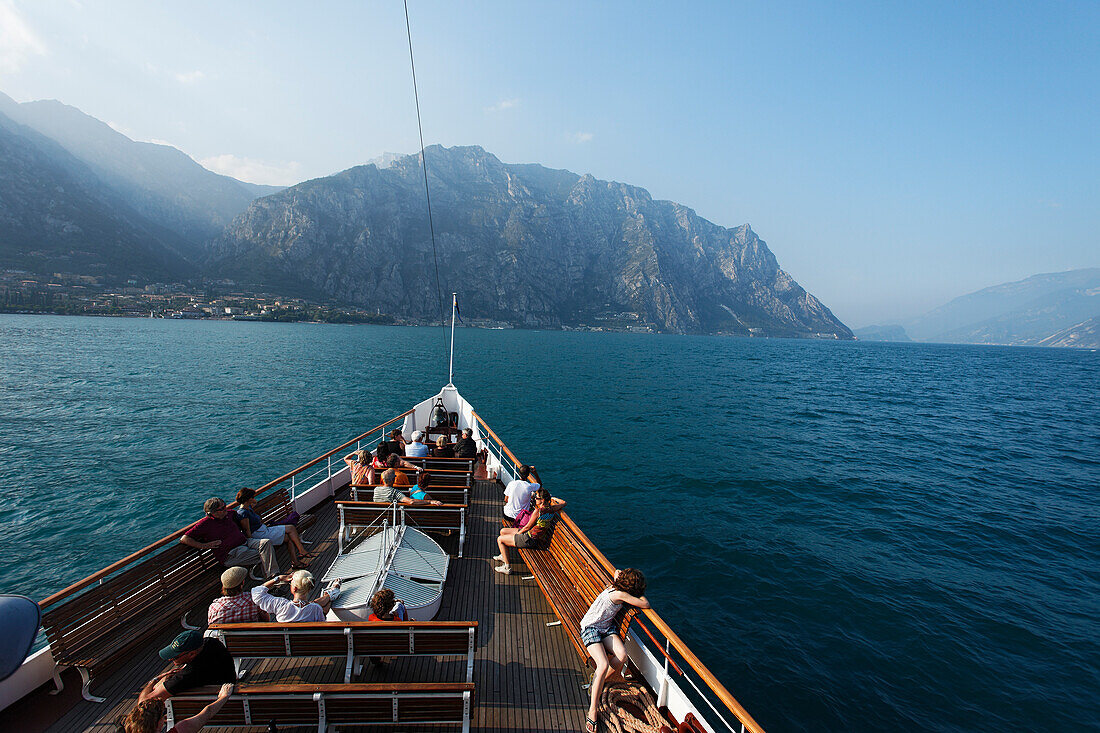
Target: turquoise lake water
[852,536]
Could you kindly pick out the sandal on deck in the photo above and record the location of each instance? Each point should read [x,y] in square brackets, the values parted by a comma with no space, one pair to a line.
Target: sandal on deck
[590,725]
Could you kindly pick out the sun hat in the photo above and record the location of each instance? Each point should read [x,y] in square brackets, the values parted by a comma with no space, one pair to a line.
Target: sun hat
[233,577]
[188,641]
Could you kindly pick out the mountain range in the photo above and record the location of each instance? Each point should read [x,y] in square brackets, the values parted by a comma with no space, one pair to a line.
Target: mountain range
[522,244]
[1053,309]
[530,245]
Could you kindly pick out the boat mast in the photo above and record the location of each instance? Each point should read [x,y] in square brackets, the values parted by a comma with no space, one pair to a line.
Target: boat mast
[451,365]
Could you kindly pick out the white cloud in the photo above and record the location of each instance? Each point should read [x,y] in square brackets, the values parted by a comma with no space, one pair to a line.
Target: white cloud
[190,77]
[581,137]
[254,171]
[18,43]
[503,105]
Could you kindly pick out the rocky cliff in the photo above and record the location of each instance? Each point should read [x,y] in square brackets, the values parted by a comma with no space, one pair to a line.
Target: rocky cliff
[521,243]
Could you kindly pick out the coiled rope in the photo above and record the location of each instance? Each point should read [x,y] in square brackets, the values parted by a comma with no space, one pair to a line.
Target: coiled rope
[617,706]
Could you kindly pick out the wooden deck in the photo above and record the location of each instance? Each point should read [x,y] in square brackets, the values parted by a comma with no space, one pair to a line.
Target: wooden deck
[527,676]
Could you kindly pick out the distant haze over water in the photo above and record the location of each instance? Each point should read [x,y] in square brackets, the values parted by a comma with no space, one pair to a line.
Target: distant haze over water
[853,536]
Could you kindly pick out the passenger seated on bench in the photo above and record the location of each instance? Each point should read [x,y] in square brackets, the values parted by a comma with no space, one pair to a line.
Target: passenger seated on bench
[417,449]
[442,448]
[519,491]
[598,632]
[397,442]
[466,446]
[535,534]
[300,608]
[396,462]
[252,525]
[385,607]
[423,480]
[195,662]
[217,532]
[234,606]
[388,494]
[360,463]
[149,716]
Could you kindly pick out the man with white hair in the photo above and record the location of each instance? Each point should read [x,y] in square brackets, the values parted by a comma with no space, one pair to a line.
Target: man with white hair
[300,608]
[416,449]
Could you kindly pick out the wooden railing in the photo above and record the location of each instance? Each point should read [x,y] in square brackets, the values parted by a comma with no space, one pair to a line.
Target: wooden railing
[174,537]
[706,676]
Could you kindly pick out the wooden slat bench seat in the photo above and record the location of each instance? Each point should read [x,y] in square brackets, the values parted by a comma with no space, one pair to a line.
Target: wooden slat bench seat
[98,629]
[277,506]
[333,706]
[446,494]
[351,641]
[448,517]
[570,578]
[432,463]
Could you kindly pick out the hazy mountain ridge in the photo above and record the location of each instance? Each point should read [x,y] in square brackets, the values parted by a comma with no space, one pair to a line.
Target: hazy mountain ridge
[56,215]
[1039,310]
[522,243]
[157,181]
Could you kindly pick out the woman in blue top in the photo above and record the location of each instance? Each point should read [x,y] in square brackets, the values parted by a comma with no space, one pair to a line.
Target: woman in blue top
[252,525]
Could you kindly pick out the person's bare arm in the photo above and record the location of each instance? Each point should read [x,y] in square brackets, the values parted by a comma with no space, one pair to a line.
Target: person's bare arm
[195,723]
[535,475]
[409,501]
[154,689]
[246,527]
[192,542]
[624,597]
[556,504]
[410,466]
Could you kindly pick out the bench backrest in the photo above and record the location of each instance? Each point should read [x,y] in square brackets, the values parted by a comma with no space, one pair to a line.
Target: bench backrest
[369,513]
[149,590]
[275,506]
[446,494]
[350,640]
[325,706]
[443,464]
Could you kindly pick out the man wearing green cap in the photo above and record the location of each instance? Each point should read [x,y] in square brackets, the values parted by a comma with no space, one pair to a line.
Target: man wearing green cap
[195,662]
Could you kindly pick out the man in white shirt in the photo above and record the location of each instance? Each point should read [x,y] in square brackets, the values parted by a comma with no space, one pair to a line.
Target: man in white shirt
[416,449]
[519,490]
[300,608]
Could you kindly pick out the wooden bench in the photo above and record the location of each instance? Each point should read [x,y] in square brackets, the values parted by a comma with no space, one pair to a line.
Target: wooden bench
[105,624]
[448,517]
[446,494]
[351,641]
[431,463]
[333,706]
[276,506]
[570,578]
[101,626]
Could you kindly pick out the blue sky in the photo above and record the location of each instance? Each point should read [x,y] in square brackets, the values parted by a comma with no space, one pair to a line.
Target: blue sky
[892,155]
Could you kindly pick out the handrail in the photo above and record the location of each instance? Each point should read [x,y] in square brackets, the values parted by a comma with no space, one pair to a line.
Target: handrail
[100,574]
[503,447]
[693,661]
[656,643]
